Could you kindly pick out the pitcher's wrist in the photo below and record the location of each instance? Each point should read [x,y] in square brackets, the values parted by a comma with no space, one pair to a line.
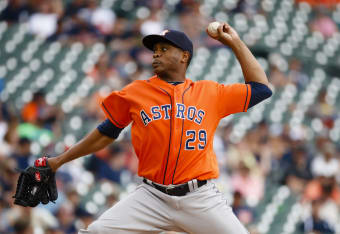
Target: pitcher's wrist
[54,163]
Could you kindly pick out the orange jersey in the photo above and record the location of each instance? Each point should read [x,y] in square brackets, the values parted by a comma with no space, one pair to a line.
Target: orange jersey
[30,112]
[173,127]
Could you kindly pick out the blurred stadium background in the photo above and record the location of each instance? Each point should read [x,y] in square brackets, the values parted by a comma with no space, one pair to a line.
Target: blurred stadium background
[279,163]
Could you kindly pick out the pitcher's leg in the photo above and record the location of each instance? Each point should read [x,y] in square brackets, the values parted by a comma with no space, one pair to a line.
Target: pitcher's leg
[140,212]
[206,211]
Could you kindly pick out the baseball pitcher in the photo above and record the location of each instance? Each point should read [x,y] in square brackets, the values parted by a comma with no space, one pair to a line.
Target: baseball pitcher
[173,125]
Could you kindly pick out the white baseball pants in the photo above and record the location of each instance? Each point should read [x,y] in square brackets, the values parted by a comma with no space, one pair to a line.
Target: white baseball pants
[147,210]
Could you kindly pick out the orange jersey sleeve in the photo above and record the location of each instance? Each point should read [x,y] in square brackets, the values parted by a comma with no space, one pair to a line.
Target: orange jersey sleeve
[233,98]
[117,108]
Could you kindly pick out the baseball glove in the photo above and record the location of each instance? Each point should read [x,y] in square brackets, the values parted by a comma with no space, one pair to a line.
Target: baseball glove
[36,184]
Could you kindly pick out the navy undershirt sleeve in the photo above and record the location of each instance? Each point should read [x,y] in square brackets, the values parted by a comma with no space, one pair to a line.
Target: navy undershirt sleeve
[259,92]
[107,128]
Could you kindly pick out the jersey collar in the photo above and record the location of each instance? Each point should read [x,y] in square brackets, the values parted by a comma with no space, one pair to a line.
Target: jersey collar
[165,85]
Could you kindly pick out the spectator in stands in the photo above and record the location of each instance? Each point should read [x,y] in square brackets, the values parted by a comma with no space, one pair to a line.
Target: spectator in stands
[238,154]
[74,7]
[250,8]
[322,188]
[278,78]
[329,211]
[91,103]
[15,11]
[22,153]
[74,202]
[8,133]
[39,218]
[153,24]
[86,12]
[323,23]
[8,176]
[124,64]
[279,148]
[109,164]
[191,21]
[323,110]
[44,22]
[104,20]
[22,226]
[38,112]
[99,20]
[314,224]
[258,143]
[74,26]
[248,183]
[121,29]
[326,164]
[80,27]
[60,34]
[105,74]
[296,74]
[30,111]
[73,198]
[297,172]
[5,113]
[241,210]
[66,218]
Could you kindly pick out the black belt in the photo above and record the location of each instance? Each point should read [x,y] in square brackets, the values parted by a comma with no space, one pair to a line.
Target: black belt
[177,190]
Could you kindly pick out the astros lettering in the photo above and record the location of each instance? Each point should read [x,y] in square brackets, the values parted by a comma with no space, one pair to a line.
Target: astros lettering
[164,111]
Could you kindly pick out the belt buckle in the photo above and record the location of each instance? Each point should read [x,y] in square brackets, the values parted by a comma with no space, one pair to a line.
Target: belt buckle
[169,187]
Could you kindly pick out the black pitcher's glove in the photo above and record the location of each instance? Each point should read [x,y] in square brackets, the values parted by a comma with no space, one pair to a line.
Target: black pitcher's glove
[36,184]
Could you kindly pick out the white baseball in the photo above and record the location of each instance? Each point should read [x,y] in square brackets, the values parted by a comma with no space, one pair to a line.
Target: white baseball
[212,28]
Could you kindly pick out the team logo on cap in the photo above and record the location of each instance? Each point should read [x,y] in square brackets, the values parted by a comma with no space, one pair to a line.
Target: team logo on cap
[164,32]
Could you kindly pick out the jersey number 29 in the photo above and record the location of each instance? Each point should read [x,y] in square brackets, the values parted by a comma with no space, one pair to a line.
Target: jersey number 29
[202,138]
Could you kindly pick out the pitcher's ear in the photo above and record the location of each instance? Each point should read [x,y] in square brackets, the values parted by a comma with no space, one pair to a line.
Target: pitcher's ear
[185,57]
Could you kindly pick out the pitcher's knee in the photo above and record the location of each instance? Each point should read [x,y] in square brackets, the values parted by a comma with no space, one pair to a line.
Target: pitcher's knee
[95,228]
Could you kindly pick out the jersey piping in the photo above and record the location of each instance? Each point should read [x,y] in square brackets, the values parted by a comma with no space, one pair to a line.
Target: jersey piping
[167,159]
[245,103]
[180,146]
[118,125]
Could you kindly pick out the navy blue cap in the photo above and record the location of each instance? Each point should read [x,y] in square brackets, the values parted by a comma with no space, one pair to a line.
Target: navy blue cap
[176,38]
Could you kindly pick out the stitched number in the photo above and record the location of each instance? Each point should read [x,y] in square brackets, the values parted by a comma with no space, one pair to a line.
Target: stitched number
[202,137]
[192,138]
[191,134]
